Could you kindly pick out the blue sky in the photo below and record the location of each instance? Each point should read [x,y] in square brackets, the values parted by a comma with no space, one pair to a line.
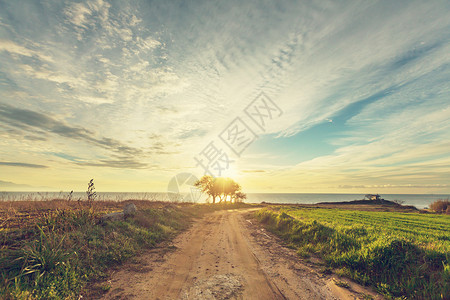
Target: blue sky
[130,93]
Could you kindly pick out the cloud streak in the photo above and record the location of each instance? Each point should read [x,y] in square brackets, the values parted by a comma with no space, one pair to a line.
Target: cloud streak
[23,165]
[26,119]
[125,163]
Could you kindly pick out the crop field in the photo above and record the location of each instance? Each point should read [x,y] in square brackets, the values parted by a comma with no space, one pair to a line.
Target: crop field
[426,230]
[400,254]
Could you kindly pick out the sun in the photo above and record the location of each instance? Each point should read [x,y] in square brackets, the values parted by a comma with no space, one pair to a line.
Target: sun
[232,172]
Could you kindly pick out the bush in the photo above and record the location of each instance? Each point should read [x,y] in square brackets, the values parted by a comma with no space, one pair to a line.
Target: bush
[441,206]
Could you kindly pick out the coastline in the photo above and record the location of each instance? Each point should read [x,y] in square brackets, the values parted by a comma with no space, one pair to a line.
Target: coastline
[418,200]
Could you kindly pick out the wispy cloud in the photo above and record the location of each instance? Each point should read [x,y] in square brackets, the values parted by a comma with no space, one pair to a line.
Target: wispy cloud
[20,164]
[29,120]
[83,15]
[16,49]
[125,163]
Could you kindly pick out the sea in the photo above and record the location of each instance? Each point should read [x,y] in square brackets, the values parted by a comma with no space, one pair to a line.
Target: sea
[417,200]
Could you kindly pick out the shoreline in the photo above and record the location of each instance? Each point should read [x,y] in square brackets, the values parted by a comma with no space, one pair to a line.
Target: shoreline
[418,200]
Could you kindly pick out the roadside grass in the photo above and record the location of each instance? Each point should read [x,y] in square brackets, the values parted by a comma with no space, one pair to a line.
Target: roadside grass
[400,254]
[55,253]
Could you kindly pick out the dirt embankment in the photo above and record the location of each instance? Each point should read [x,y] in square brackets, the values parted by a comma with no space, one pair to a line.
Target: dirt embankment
[225,255]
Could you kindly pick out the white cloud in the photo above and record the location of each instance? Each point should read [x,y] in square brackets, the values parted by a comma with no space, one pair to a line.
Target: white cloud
[78,14]
[95,100]
[14,48]
[81,14]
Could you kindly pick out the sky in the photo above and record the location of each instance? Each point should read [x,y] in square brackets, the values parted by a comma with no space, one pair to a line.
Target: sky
[282,96]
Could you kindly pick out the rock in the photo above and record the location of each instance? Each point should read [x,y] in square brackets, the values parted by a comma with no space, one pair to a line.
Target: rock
[129,209]
[217,287]
[113,217]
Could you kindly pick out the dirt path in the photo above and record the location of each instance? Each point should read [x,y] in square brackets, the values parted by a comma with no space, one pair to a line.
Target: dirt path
[223,256]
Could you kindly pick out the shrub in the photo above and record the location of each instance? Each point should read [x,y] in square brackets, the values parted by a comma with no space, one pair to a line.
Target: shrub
[440,206]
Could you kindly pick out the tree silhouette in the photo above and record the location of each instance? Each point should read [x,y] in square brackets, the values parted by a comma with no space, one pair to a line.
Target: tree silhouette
[240,197]
[220,188]
[207,185]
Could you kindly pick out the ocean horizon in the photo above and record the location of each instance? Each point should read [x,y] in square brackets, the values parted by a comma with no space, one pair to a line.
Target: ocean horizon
[417,200]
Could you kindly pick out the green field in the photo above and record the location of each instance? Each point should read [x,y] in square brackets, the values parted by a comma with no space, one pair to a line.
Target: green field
[400,254]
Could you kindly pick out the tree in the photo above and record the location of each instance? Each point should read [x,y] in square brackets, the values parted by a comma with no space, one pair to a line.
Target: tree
[240,197]
[222,188]
[207,186]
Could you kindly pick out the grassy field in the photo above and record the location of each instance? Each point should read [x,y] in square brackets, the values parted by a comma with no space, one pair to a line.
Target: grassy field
[53,249]
[400,254]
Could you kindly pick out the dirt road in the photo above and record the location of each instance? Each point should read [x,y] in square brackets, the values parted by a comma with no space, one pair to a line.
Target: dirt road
[223,256]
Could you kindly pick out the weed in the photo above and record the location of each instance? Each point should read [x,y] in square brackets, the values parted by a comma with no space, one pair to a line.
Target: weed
[366,297]
[303,252]
[54,257]
[91,193]
[43,255]
[341,283]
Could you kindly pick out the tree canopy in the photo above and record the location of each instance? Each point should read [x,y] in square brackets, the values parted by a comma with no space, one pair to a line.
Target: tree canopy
[223,189]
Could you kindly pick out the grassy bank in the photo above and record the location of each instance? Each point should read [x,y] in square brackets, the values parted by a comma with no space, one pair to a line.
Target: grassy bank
[400,254]
[52,249]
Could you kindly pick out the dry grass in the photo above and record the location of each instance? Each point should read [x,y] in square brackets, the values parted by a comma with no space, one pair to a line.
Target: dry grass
[21,214]
[51,249]
[441,206]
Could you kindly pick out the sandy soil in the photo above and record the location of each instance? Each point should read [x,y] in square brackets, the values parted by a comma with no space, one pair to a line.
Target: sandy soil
[225,255]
